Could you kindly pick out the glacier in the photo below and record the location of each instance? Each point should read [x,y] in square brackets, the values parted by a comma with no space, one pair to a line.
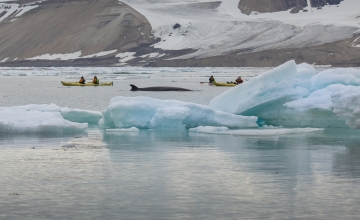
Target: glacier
[146,112]
[294,95]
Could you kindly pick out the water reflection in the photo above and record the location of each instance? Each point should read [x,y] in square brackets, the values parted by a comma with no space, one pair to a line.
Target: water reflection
[153,174]
[346,163]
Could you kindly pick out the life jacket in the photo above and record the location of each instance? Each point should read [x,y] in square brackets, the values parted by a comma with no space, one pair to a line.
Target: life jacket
[95,81]
[82,80]
[238,81]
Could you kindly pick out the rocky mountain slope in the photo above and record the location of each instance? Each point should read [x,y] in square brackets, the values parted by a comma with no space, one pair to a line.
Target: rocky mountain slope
[263,6]
[179,33]
[77,28]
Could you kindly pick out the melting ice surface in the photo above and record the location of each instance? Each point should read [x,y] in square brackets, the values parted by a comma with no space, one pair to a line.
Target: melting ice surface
[145,112]
[295,96]
[45,119]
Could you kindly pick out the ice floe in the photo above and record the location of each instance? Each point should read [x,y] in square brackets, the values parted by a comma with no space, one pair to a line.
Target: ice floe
[294,96]
[45,119]
[253,132]
[146,112]
[347,105]
[16,120]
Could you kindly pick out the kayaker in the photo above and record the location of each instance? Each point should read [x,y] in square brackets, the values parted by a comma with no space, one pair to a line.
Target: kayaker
[211,79]
[95,80]
[82,80]
[239,80]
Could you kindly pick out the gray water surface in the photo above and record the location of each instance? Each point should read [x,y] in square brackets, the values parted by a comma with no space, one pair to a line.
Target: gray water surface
[182,175]
[170,174]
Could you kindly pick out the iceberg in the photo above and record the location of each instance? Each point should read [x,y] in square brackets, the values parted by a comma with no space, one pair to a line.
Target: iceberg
[21,121]
[150,113]
[81,115]
[45,118]
[347,105]
[273,88]
[73,115]
[343,76]
[296,96]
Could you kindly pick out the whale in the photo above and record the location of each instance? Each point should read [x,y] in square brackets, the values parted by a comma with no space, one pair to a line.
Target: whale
[158,88]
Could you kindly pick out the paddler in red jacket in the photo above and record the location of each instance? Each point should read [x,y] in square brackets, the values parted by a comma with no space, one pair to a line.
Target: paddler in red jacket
[239,80]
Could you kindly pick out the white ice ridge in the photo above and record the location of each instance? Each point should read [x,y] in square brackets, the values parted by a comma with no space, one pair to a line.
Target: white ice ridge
[146,112]
[253,132]
[16,120]
[347,105]
[74,115]
[294,96]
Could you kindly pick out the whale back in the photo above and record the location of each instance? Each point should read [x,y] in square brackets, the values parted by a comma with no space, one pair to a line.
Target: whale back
[157,88]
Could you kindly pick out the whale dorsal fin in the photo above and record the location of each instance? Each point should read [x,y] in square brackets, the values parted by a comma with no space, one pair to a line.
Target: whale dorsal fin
[133,87]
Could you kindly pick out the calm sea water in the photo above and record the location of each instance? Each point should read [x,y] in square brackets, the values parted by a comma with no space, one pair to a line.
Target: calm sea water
[170,174]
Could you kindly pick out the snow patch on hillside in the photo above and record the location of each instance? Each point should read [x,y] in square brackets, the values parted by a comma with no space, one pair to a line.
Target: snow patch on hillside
[70,56]
[67,56]
[100,54]
[14,10]
[217,28]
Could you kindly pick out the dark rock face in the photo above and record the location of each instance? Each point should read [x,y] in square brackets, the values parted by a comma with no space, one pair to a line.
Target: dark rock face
[317,3]
[263,6]
[63,27]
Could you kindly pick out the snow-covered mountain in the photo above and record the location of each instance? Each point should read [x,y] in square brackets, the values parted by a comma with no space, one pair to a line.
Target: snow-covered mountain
[180,32]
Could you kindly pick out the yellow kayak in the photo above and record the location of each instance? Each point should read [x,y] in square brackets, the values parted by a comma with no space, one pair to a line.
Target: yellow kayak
[223,84]
[86,84]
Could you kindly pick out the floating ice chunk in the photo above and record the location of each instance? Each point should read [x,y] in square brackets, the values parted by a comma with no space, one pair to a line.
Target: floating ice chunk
[171,117]
[74,115]
[293,96]
[145,112]
[319,99]
[253,132]
[210,129]
[81,116]
[314,111]
[133,129]
[16,120]
[39,107]
[347,105]
[270,89]
[345,76]
[304,74]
